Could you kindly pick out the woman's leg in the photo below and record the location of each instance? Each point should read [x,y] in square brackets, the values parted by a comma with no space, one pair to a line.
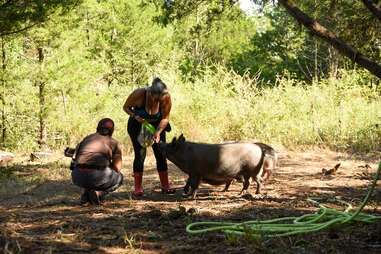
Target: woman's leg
[133,129]
[162,166]
[161,160]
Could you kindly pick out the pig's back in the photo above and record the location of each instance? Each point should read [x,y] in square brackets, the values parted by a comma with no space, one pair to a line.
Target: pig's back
[238,156]
[218,161]
[202,156]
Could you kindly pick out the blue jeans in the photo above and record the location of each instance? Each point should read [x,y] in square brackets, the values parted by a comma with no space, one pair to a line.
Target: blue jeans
[106,180]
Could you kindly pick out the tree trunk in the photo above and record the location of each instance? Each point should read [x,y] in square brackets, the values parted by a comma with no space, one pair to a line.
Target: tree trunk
[376,10]
[2,94]
[333,57]
[320,31]
[333,62]
[42,114]
[316,67]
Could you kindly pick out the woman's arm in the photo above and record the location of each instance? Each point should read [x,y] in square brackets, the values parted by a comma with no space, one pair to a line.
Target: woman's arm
[116,163]
[134,100]
[165,107]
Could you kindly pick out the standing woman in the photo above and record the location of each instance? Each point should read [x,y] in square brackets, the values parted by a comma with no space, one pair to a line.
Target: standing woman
[152,104]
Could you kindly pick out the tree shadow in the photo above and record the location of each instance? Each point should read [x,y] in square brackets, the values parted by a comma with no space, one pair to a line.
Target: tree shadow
[72,229]
[48,218]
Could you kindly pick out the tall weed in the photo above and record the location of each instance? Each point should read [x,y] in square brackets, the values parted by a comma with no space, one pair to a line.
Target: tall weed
[222,105]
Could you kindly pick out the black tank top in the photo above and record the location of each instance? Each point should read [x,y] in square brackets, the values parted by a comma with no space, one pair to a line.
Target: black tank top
[142,112]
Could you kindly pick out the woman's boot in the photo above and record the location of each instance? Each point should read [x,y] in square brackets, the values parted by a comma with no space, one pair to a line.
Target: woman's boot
[138,178]
[163,175]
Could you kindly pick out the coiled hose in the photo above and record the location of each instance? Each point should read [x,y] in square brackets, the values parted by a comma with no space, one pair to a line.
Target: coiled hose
[287,226]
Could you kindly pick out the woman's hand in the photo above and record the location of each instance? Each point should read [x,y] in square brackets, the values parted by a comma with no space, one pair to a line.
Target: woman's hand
[156,137]
[139,119]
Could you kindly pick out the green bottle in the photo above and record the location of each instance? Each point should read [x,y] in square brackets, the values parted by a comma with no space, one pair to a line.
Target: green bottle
[149,127]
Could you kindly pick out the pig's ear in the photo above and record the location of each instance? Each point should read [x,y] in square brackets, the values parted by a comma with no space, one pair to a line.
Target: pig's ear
[181,138]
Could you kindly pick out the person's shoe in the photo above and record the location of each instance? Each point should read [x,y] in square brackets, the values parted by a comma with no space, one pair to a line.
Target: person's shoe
[102,196]
[84,197]
[94,197]
[138,179]
[165,189]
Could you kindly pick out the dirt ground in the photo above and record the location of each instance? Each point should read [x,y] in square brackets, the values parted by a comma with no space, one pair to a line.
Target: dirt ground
[39,210]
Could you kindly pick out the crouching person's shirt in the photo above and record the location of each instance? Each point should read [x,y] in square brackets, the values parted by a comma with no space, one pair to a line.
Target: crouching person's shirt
[94,163]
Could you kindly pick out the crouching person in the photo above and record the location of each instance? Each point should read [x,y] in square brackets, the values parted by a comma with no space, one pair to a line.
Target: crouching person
[97,164]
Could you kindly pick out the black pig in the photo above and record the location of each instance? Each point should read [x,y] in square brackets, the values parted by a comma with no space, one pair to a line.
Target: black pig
[216,163]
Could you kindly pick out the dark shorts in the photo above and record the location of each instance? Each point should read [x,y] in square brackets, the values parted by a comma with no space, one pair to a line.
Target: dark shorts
[107,180]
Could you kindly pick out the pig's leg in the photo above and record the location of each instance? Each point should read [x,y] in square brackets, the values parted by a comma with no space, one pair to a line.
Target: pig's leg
[246,183]
[194,183]
[267,170]
[266,173]
[187,186]
[194,194]
[258,180]
[227,185]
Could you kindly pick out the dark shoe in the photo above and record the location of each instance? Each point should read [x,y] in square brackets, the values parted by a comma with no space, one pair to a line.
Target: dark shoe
[84,197]
[94,197]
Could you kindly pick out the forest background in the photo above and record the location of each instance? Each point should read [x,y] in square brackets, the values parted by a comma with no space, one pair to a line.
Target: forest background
[233,75]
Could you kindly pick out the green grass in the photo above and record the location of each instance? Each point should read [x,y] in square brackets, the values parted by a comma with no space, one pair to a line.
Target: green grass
[332,113]
[342,114]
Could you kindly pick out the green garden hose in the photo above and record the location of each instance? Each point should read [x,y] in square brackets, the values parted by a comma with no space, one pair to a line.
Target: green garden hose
[322,219]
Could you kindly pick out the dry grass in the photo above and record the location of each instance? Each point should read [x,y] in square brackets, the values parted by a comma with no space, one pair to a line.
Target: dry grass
[40,214]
